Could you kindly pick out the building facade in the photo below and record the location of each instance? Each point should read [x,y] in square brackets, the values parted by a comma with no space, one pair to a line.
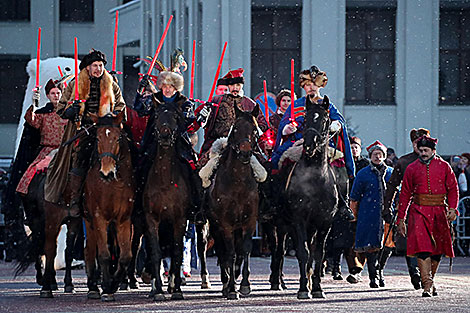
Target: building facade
[393,65]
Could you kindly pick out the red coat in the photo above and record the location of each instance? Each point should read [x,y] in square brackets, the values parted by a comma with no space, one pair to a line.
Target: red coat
[428,229]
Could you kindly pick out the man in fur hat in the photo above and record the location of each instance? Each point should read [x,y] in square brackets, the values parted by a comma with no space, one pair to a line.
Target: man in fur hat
[101,95]
[429,195]
[392,190]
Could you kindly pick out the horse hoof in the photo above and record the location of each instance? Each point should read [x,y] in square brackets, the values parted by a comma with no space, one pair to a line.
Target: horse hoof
[318,294]
[283,286]
[69,289]
[206,285]
[275,287]
[106,297]
[303,295]
[124,286]
[54,287]
[46,294]
[245,290]
[233,295]
[134,285]
[177,296]
[159,297]
[93,294]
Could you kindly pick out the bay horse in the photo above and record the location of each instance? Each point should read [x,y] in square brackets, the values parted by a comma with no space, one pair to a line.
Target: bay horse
[311,198]
[46,220]
[166,198]
[109,197]
[232,203]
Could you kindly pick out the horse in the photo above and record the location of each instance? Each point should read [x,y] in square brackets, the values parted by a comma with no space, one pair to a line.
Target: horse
[46,219]
[108,199]
[311,198]
[167,197]
[232,203]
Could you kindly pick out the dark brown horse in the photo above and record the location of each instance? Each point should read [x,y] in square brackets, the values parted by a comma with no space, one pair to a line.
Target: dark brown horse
[232,207]
[109,196]
[167,198]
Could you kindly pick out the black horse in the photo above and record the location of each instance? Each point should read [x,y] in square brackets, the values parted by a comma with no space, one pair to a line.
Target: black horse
[311,198]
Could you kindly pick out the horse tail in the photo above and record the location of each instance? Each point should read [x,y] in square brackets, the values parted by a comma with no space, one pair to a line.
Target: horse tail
[34,248]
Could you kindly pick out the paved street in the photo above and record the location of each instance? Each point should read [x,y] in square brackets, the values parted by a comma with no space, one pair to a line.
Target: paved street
[22,294]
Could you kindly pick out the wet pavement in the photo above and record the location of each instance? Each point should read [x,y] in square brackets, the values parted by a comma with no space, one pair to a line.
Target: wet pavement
[22,294]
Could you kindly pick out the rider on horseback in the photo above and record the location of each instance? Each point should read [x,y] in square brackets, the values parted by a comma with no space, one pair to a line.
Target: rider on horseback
[290,131]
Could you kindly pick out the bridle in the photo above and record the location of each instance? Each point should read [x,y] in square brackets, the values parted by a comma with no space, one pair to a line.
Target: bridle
[235,146]
[109,154]
[321,134]
[172,131]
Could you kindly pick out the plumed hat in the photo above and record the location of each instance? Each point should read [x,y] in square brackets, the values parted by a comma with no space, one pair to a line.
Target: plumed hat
[377,145]
[427,141]
[50,85]
[314,75]
[356,140]
[91,57]
[170,78]
[281,94]
[234,77]
[417,133]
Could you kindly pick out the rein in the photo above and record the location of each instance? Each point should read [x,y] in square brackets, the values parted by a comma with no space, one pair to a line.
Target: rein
[109,154]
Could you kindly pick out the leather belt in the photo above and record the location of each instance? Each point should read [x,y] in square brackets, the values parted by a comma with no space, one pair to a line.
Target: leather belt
[430,200]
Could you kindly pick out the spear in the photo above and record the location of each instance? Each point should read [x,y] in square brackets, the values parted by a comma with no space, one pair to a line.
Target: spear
[266,102]
[61,75]
[113,67]
[191,88]
[292,117]
[76,69]
[38,58]
[217,73]
[160,44]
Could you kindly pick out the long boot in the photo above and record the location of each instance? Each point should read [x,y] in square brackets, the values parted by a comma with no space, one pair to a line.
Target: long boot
[413,270]
[426,278]
[434,267]
[382,262]
[372,268]
[75,185]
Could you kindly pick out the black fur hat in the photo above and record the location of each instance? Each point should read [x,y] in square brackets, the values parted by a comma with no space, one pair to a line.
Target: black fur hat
[91,57]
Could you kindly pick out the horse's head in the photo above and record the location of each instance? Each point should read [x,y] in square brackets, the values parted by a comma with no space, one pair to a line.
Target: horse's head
[316,126]
[244,134]
[168,121]
[108,136]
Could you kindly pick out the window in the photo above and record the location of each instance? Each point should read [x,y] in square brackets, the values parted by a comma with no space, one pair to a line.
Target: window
[129,79]
[370,56]
[275,40]
[78,11]
[454,56]
[15,10]
[13,82]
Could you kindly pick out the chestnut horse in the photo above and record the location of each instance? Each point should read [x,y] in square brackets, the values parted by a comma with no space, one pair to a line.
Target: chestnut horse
[109,197]
[232,203]
[167,197]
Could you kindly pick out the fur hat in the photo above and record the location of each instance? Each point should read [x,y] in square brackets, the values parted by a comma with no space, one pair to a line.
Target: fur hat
[355,140]
[377,145]
[234,77]
[50,85]
[281,94]
[427,141]
[417,133]
[170,78]
[92,56]
[466,155]
[221,81]
[314,75]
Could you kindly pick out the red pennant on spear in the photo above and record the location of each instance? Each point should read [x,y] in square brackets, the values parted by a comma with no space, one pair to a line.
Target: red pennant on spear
[191,87]
[266,102]
[217,73]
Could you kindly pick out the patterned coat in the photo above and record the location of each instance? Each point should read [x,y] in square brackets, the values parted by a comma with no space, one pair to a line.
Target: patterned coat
[428,229]
[51,127]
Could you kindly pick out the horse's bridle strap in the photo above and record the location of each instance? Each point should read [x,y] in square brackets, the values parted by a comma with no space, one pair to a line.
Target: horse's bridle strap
[108,154]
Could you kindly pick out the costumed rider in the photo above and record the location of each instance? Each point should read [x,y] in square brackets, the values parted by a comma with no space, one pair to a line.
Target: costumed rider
[51,129]
[170,85]
[98,94]
[339,152]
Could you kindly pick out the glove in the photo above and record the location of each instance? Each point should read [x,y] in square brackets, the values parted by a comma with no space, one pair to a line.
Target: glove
[451,215]
[335,126]
[402,228]
[36,95]
[72,111]
[289,129]
[203,115]
[144,82]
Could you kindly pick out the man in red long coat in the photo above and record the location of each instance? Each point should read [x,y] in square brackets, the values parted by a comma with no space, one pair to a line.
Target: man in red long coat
[431,187]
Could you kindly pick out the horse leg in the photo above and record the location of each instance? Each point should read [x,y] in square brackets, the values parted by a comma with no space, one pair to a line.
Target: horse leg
[247,238]
[135,246]
[202,235]
[177,259]
[277,258]
[72,233]
[239,253]
[90,262]
[156,256]
[104,258]
[318,255]
[300,238]
[123,236]
[229,265]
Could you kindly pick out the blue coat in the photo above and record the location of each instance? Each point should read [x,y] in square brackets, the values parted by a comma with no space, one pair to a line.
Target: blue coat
[367,191]
[300,110]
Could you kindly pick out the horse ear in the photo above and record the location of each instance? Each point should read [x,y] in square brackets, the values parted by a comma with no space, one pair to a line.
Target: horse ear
[118,119]
[93,117]
[238,112]
[255,111]
[326,102]
[308,103]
